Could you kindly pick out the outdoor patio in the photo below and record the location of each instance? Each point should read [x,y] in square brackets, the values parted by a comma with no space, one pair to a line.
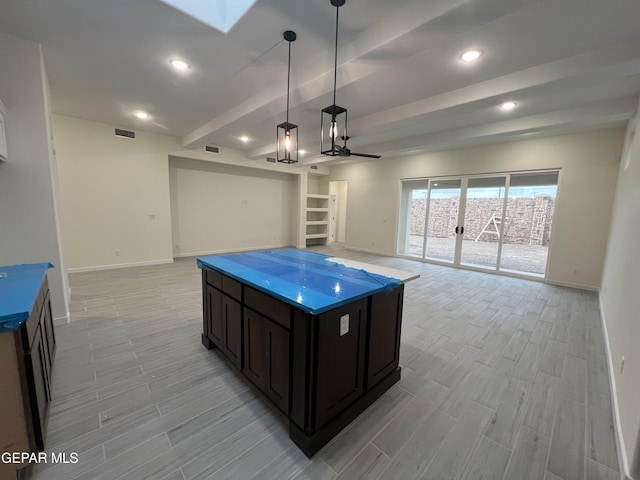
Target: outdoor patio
[531,259]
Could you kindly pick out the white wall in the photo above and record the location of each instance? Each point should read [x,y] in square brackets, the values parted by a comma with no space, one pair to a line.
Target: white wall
[28,205]
[589,163]
[220,208]
[620,303]
[109,186]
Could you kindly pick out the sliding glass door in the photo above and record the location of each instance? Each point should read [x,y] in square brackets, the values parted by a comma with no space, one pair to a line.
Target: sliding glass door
[529,217]
[498,223]
[483,219]
[442,219]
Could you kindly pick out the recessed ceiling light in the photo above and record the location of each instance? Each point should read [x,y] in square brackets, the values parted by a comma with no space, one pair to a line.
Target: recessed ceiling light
[471,55]
[244,138]
[506,106]
[141,115]
[302,152]
[179,64]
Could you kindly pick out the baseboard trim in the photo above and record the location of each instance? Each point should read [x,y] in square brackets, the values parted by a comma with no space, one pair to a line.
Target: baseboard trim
[62,320]
[119,265]
[364,250]
[623,463]
[231,250]
[578,286]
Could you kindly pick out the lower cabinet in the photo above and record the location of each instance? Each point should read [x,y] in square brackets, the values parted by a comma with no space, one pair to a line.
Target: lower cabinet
[26,358]
[38,370]
[222,323]
[266,357]
[321,370]
[232,330]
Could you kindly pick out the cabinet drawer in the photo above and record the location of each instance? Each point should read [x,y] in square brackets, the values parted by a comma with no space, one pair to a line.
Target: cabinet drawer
[232,288]
[270,307]
[214,279]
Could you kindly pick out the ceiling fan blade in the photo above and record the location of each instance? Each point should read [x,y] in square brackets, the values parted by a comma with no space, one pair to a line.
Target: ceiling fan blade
[367,155]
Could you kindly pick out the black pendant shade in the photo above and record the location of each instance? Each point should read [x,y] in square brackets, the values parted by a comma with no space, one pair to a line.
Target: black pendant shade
[333,122]
[287,133]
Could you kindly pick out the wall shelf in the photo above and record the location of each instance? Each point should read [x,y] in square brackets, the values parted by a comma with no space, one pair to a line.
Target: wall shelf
[317,219]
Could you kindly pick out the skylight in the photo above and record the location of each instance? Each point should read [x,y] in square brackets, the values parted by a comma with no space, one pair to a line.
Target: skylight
[219,14]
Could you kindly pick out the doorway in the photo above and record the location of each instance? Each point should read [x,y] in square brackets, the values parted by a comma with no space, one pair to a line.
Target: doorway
[338,211]
[494,222]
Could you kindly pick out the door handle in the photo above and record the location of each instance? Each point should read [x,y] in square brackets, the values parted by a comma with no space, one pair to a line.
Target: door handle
[457,230]
[461,230]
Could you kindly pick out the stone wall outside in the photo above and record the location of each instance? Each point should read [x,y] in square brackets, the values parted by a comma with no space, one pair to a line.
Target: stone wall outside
[528,220]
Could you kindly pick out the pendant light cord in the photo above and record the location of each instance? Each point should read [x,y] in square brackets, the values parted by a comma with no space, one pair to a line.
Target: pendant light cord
[335,59]
[288,81]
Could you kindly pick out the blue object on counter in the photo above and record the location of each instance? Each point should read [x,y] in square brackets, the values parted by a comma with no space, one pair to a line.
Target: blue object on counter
[301,278]
[19,288]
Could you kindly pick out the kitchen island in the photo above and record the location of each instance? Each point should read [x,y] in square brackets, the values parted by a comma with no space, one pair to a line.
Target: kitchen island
[319,338]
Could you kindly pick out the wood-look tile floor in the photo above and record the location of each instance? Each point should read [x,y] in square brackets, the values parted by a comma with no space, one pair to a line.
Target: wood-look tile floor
[502,378]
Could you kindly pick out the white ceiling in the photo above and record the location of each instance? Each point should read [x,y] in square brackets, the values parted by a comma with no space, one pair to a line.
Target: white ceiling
[570,65]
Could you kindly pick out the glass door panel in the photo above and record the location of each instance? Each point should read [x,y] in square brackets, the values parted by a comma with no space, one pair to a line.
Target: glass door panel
[442,219]
[528,221]
[413,213]
[483,221]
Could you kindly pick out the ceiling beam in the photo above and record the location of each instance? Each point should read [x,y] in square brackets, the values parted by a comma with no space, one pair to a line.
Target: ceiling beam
[314,84]
[579,71]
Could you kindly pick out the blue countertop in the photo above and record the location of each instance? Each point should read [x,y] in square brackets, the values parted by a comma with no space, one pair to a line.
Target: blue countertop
[303,279]
[19,287]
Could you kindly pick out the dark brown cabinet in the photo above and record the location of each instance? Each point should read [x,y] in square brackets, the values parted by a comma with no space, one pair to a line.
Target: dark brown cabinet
[385,324]
[222,321]
[232,330]
[266,357]
[321,370]
[340,360]
[26,358]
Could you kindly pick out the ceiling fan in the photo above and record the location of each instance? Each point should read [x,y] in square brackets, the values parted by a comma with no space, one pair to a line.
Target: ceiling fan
[333,123]
[346,152]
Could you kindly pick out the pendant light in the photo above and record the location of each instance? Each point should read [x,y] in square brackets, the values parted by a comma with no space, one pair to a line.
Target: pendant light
[287,133]
[333,123]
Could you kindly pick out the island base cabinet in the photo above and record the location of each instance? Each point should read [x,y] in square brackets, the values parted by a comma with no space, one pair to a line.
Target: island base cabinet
[384,335]
[321,370]
[232,330]
[266,357]
[222,318]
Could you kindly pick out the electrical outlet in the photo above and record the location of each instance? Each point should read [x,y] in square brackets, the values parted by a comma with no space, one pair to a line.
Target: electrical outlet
[622,366]
[576,271]
[152,216]
[344,324]
[117,253]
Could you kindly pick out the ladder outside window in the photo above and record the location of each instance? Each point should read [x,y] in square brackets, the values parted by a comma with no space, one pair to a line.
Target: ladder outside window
[492,227]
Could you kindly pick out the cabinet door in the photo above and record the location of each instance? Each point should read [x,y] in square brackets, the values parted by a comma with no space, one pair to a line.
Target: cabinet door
[340,365]
[384,334]
[213,312]
[232,330]
[255,358]
[277,364]
[38,380]
[49,331]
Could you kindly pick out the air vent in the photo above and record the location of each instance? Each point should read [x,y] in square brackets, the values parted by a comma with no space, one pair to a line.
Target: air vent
[212,149]
[314,167]
[271,160]
[125,133]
